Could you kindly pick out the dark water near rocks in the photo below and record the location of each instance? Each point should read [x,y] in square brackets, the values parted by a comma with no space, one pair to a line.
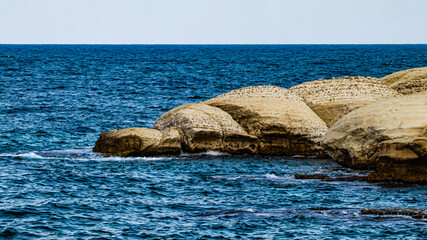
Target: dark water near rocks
[54,100]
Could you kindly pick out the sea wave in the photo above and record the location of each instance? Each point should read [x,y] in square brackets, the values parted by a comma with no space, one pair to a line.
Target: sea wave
[79,154]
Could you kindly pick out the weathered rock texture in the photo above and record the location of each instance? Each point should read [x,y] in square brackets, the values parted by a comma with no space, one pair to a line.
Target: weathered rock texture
[333,98]
[138,142]
[407,81]
[389,136]
[203,127]
[283,123]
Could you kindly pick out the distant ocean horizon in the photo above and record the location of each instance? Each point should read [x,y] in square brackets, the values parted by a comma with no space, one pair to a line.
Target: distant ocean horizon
[55,99]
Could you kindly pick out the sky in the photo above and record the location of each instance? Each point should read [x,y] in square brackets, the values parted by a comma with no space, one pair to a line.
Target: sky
[213,21]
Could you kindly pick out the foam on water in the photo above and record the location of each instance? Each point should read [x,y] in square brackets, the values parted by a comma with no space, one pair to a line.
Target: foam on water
[22,155]
[271,176]
[79,154]
[206,153]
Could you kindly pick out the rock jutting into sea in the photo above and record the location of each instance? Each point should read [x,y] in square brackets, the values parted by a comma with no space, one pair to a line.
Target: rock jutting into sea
[138,142]
[389,136]
[361,122]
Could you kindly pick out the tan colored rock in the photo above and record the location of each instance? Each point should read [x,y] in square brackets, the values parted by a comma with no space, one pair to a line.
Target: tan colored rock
[138,142]
[389,136]
[407,81]
[203,127]
[283,123]
[333,98]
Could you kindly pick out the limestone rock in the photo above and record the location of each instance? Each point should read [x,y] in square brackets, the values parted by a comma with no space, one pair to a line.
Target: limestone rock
[407,81]
[138,142]
[203,127]
[333,98]
[283,123]
[389,136]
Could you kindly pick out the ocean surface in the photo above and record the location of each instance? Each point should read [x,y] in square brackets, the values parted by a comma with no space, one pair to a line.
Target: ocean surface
[56,99]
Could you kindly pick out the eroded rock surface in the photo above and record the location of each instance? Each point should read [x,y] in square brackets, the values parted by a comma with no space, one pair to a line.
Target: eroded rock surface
[333,98]
[203,127]
[389,136]
[138,142]
[407,81]
[283,123]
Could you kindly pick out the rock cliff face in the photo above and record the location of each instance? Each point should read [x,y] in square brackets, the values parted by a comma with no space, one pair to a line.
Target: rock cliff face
[389,136]
[331,99]
[407,81]
[138,142]
[283,123]
[203,127]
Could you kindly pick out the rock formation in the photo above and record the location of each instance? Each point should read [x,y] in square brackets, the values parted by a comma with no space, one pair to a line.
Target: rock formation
[407,81]
[283,123]
[138,142]
[333,98]
[389,136]
[203,127]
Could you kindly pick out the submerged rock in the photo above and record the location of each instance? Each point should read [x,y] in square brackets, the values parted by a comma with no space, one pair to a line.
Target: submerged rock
[325,177]
[203,127]
[407,81]
[388,136]
[283,123]
[311,176]
[138,142]
[333,98]
[415,213]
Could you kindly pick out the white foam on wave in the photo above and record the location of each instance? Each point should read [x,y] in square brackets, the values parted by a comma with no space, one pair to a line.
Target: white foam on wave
[207,153]
[225,177]
[22,155]
[79,154]
[271,176]
[101,158]
[249,210]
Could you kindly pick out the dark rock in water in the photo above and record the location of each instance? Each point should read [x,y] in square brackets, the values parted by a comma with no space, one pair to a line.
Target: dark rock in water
[388,170]
[311,176]
[415,213]
[327,178]
[348,179]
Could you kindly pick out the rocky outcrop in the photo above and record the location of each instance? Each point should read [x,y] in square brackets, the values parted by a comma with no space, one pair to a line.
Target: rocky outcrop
[389,136]
[407,81]
[138,142]
[203,127]
[283,124]
[333,98]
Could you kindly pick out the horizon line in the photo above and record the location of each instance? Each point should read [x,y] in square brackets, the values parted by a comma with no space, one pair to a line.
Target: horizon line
[213,43]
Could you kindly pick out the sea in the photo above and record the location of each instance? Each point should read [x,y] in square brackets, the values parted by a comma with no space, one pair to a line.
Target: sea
[56,99]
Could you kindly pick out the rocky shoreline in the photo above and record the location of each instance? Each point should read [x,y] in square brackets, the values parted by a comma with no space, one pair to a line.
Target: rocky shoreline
[361,122]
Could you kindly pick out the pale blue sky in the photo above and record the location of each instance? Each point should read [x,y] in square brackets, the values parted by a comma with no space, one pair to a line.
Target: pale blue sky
[213,21]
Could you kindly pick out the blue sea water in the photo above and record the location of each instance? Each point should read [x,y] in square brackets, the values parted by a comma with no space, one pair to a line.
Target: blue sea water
[56,99]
